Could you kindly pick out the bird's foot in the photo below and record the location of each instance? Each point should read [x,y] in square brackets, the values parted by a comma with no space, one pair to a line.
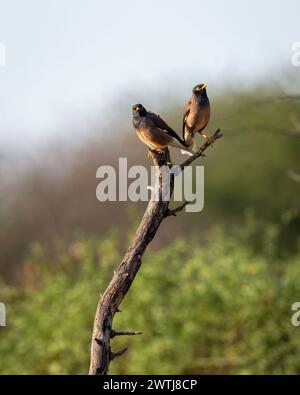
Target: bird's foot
[200,150]
[208,139]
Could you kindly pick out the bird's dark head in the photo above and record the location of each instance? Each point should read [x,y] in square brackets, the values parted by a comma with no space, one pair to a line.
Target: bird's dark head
[139,110]
[200,90]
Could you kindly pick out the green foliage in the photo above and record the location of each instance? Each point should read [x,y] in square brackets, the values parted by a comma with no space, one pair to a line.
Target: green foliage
[214,307]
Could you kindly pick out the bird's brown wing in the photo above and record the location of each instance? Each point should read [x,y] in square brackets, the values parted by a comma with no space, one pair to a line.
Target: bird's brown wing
[186,111]
[161,124]
[155,137]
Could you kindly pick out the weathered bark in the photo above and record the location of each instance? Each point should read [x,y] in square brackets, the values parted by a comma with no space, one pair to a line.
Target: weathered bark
[156,211]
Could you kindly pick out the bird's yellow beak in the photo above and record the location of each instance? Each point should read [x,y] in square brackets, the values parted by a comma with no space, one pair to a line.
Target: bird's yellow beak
[136,109]
[200,88]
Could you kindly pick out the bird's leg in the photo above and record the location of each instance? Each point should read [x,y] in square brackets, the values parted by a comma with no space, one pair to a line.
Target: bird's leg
[208,139]
[150,153]
[168,158]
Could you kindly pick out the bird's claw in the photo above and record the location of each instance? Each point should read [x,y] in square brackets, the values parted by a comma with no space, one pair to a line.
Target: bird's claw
[208,139]
[200,150]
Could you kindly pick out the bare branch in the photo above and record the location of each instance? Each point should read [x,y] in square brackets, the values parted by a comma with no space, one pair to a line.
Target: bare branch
[113,355]
[217,135]
[174,211]
[108,305]
[124,333]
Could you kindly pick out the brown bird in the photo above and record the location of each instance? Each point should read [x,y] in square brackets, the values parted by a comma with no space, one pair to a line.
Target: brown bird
[196,115]
[154,131]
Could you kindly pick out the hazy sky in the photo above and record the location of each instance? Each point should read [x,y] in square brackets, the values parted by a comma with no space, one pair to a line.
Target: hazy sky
[67,58]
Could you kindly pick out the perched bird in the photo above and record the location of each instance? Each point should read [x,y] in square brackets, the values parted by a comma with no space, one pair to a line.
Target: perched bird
[154,131]
[196,115]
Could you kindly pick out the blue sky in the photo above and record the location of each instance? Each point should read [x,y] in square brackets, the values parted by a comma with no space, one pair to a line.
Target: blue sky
[67,59]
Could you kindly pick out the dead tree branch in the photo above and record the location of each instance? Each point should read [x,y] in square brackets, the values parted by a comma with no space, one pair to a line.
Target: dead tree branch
[157,210]
[173,212]
[124,333]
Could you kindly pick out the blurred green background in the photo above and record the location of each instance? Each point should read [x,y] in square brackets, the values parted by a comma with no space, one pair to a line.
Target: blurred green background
[215,290]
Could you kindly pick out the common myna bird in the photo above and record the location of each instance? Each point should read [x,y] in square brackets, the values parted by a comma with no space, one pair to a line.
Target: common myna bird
[196,115]
[154,131]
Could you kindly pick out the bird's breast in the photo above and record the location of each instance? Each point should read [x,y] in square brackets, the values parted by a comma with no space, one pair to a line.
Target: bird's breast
[137,121]
[198,117]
